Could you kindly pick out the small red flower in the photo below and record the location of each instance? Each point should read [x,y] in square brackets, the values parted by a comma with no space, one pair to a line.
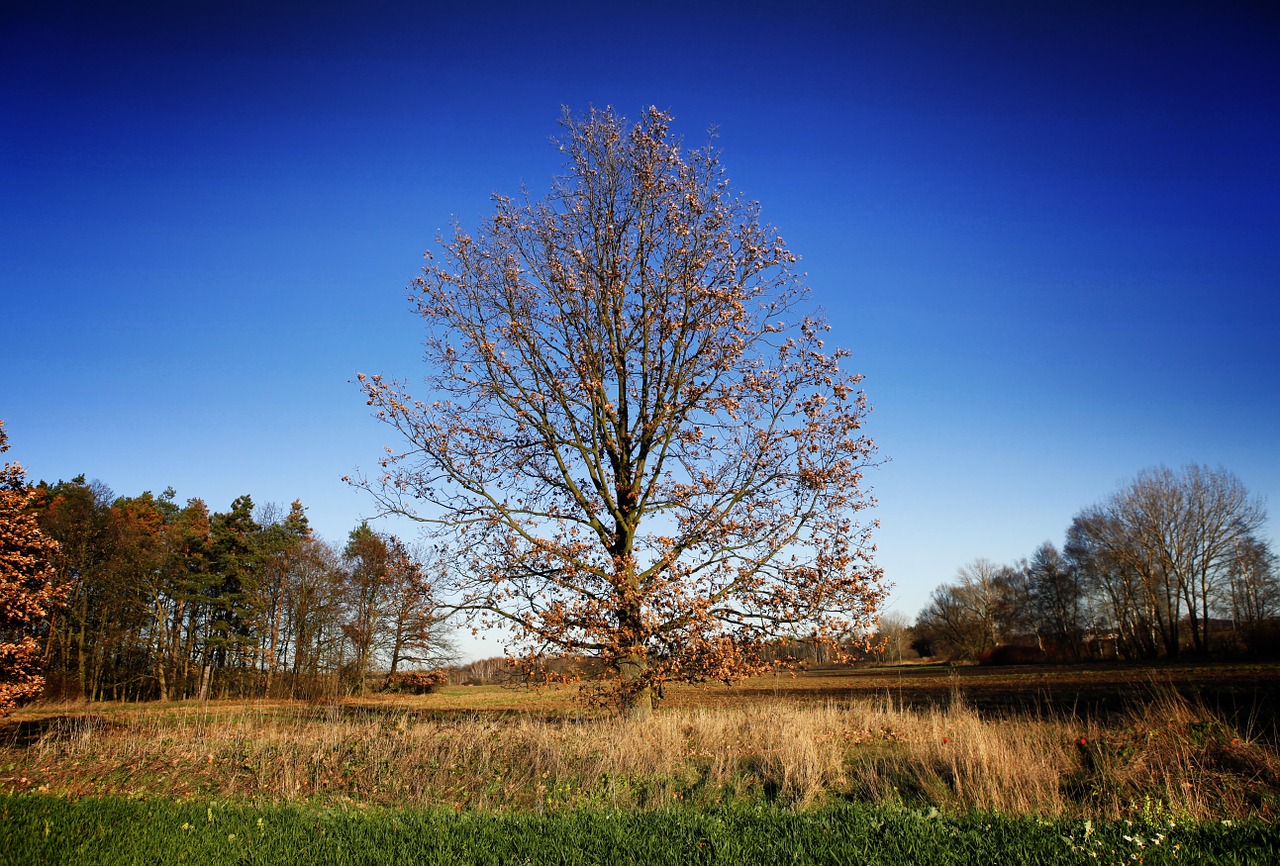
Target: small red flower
[1083,741]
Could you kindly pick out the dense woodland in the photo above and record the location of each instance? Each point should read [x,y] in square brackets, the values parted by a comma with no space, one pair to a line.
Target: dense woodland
[1172,563]
[173,601]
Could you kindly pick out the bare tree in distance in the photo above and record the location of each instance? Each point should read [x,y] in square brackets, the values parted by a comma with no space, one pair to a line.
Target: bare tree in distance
[632,433]
[416,628]
[893,638]
[966,618]
[391,612]
[1055,602]
[1169,540]
[1255,594]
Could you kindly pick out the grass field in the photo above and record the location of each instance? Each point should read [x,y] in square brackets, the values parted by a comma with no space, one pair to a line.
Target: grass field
[1171,749]
[89,832]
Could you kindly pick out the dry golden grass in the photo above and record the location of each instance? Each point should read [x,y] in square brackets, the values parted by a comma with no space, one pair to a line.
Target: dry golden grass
[493,748]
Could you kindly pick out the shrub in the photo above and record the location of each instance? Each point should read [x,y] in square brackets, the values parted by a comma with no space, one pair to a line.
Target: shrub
[416,682]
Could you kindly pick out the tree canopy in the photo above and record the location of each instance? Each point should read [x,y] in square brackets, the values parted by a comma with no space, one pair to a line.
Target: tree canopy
[27,593]
[175,602]
[632,432]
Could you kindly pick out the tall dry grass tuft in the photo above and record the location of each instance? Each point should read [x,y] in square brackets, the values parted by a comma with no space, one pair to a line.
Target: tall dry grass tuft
[800,754]
[1176,756]
[954,759]
[1171,757]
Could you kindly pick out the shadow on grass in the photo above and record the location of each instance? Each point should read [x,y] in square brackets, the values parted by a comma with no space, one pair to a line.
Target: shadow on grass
[28,732]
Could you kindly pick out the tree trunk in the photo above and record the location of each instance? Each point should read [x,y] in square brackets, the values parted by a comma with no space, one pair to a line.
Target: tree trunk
[638,701]
[395,653]
[161,679]
[637,694]
[82,660]
[205,675]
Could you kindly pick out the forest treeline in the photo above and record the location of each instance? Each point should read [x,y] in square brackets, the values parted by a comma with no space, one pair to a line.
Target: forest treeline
[163,600]
[1172,563]
[172,601]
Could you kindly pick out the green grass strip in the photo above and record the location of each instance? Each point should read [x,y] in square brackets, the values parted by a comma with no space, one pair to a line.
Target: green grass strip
[36,829]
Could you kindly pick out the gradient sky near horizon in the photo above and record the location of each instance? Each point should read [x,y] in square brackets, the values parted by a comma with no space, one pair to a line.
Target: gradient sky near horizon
[1049,233]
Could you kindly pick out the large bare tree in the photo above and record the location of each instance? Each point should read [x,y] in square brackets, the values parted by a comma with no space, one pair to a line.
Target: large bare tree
[631,431]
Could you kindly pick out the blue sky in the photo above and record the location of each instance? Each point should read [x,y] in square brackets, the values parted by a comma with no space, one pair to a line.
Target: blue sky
[1051,237]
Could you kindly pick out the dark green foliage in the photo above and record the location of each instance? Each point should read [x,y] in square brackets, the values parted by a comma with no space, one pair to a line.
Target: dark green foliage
[41,829]
[237,559]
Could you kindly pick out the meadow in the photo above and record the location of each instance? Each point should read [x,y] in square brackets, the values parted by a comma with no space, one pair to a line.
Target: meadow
[1061,760]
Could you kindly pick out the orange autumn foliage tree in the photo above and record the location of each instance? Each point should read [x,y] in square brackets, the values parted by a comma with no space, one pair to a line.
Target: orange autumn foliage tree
[633,437]
[26,589]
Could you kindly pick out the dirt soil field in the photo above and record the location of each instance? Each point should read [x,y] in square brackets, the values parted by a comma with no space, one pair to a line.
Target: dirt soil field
[1247,693]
